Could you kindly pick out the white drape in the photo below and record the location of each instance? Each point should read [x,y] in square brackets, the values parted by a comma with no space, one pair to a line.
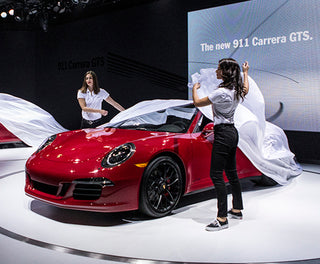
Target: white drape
[27,121]
[146,107]
[265,144]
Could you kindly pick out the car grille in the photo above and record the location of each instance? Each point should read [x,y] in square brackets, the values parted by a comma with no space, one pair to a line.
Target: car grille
[90,188]
[46,188]
[51,189]
[87,191]
[84,189]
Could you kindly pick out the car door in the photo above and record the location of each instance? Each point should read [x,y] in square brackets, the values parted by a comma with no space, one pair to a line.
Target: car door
[201,147]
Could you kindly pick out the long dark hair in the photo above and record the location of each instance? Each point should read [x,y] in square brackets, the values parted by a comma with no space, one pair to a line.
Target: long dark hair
[231,76]
[96,87]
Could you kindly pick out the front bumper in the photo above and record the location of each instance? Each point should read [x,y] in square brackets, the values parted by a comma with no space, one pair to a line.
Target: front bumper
[109,190]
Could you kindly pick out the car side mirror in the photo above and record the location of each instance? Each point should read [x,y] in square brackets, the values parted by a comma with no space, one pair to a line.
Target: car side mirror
[207,130]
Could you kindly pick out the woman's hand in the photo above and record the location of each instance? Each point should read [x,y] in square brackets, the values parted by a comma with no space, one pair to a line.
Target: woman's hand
[103,112]
[196,100]
[245,69]
[245,66]
[196,86]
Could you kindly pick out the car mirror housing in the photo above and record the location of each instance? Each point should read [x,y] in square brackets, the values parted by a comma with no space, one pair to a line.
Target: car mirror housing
[207,130]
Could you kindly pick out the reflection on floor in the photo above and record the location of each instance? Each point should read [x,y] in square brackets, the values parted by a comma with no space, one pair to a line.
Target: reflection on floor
[281,223]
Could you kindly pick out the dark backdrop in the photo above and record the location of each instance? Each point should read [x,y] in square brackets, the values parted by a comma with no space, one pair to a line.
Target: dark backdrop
[138,53]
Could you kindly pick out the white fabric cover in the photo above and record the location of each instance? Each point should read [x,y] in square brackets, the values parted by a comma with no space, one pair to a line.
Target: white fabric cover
[28,122]
[146,107]
[265,144]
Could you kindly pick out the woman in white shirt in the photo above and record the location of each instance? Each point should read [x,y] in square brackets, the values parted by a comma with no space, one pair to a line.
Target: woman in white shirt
[224,102]
[90,97]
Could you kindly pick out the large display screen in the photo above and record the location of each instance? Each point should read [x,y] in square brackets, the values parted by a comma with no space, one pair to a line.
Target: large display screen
[281,41]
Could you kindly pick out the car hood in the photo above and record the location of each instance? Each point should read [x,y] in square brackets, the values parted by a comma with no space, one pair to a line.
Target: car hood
[88,144]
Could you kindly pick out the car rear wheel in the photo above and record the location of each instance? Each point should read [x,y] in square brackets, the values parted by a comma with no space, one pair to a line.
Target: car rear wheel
[161,187]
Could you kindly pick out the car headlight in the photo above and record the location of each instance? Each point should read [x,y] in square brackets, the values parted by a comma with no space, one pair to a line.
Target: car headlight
[46,143]
[118,155]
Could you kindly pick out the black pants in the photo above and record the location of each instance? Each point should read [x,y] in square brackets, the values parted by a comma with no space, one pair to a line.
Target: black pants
[224,159]
[90,123]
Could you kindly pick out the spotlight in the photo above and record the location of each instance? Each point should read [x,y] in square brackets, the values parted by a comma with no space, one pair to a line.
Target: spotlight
[11,12]
[60,7]
[62,10]
[19,16]
[44,22]
[33,11]
[56,9]
[3,14]
[75,2]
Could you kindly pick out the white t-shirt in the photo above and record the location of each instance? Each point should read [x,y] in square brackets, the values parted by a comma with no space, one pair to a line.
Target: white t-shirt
[93,101]
[224,104]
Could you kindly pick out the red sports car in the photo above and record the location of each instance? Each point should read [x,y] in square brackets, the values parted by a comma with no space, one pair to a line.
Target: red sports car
[146,162]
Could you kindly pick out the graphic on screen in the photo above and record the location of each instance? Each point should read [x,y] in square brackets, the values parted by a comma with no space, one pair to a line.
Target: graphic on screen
[281,41]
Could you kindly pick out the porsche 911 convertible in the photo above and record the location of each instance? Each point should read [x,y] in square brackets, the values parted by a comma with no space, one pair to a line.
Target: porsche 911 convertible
[146,162]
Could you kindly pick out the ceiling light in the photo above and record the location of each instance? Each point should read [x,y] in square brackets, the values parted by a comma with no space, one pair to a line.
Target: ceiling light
[19,16]
[3,14]
[56,9]
[11,12]
[44,21]
[33,11]
[62,10]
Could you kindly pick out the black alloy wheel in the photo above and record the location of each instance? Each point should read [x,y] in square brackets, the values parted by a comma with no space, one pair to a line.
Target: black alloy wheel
[161,187]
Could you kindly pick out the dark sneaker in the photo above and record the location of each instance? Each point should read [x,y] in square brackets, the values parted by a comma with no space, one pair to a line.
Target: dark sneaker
[234,215]
[217,225]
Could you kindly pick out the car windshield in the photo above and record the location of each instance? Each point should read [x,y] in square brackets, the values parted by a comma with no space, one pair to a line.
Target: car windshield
[174,119]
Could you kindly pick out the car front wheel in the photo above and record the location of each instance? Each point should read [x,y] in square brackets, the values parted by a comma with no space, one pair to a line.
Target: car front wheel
[161,187]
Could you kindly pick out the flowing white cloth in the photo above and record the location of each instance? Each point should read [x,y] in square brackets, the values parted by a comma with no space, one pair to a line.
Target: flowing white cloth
[28,122]
[146,107]
[265,144]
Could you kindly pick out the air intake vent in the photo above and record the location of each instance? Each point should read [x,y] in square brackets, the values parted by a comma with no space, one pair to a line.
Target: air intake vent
[45,188]
[89,191]
[90,188]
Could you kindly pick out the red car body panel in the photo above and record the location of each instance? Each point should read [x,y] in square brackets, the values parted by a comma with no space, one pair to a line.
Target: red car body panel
[77,155]
[6,136]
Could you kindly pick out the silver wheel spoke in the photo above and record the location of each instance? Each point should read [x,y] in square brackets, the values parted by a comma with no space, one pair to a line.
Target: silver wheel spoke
[172,183]
[172,199]
[159,201]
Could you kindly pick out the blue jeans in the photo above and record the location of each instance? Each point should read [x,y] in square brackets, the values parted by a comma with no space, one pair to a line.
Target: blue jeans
[224,159]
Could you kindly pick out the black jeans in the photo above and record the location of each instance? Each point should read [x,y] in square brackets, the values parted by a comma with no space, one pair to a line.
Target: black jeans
[224,159]
[90,123]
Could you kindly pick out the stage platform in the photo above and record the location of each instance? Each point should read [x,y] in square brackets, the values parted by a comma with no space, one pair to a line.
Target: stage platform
[281,224]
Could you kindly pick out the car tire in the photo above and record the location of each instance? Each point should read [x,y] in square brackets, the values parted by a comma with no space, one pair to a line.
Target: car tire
[161,187]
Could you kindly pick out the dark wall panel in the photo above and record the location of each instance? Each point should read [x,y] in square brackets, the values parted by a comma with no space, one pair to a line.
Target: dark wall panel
[17,64]
[138,53]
